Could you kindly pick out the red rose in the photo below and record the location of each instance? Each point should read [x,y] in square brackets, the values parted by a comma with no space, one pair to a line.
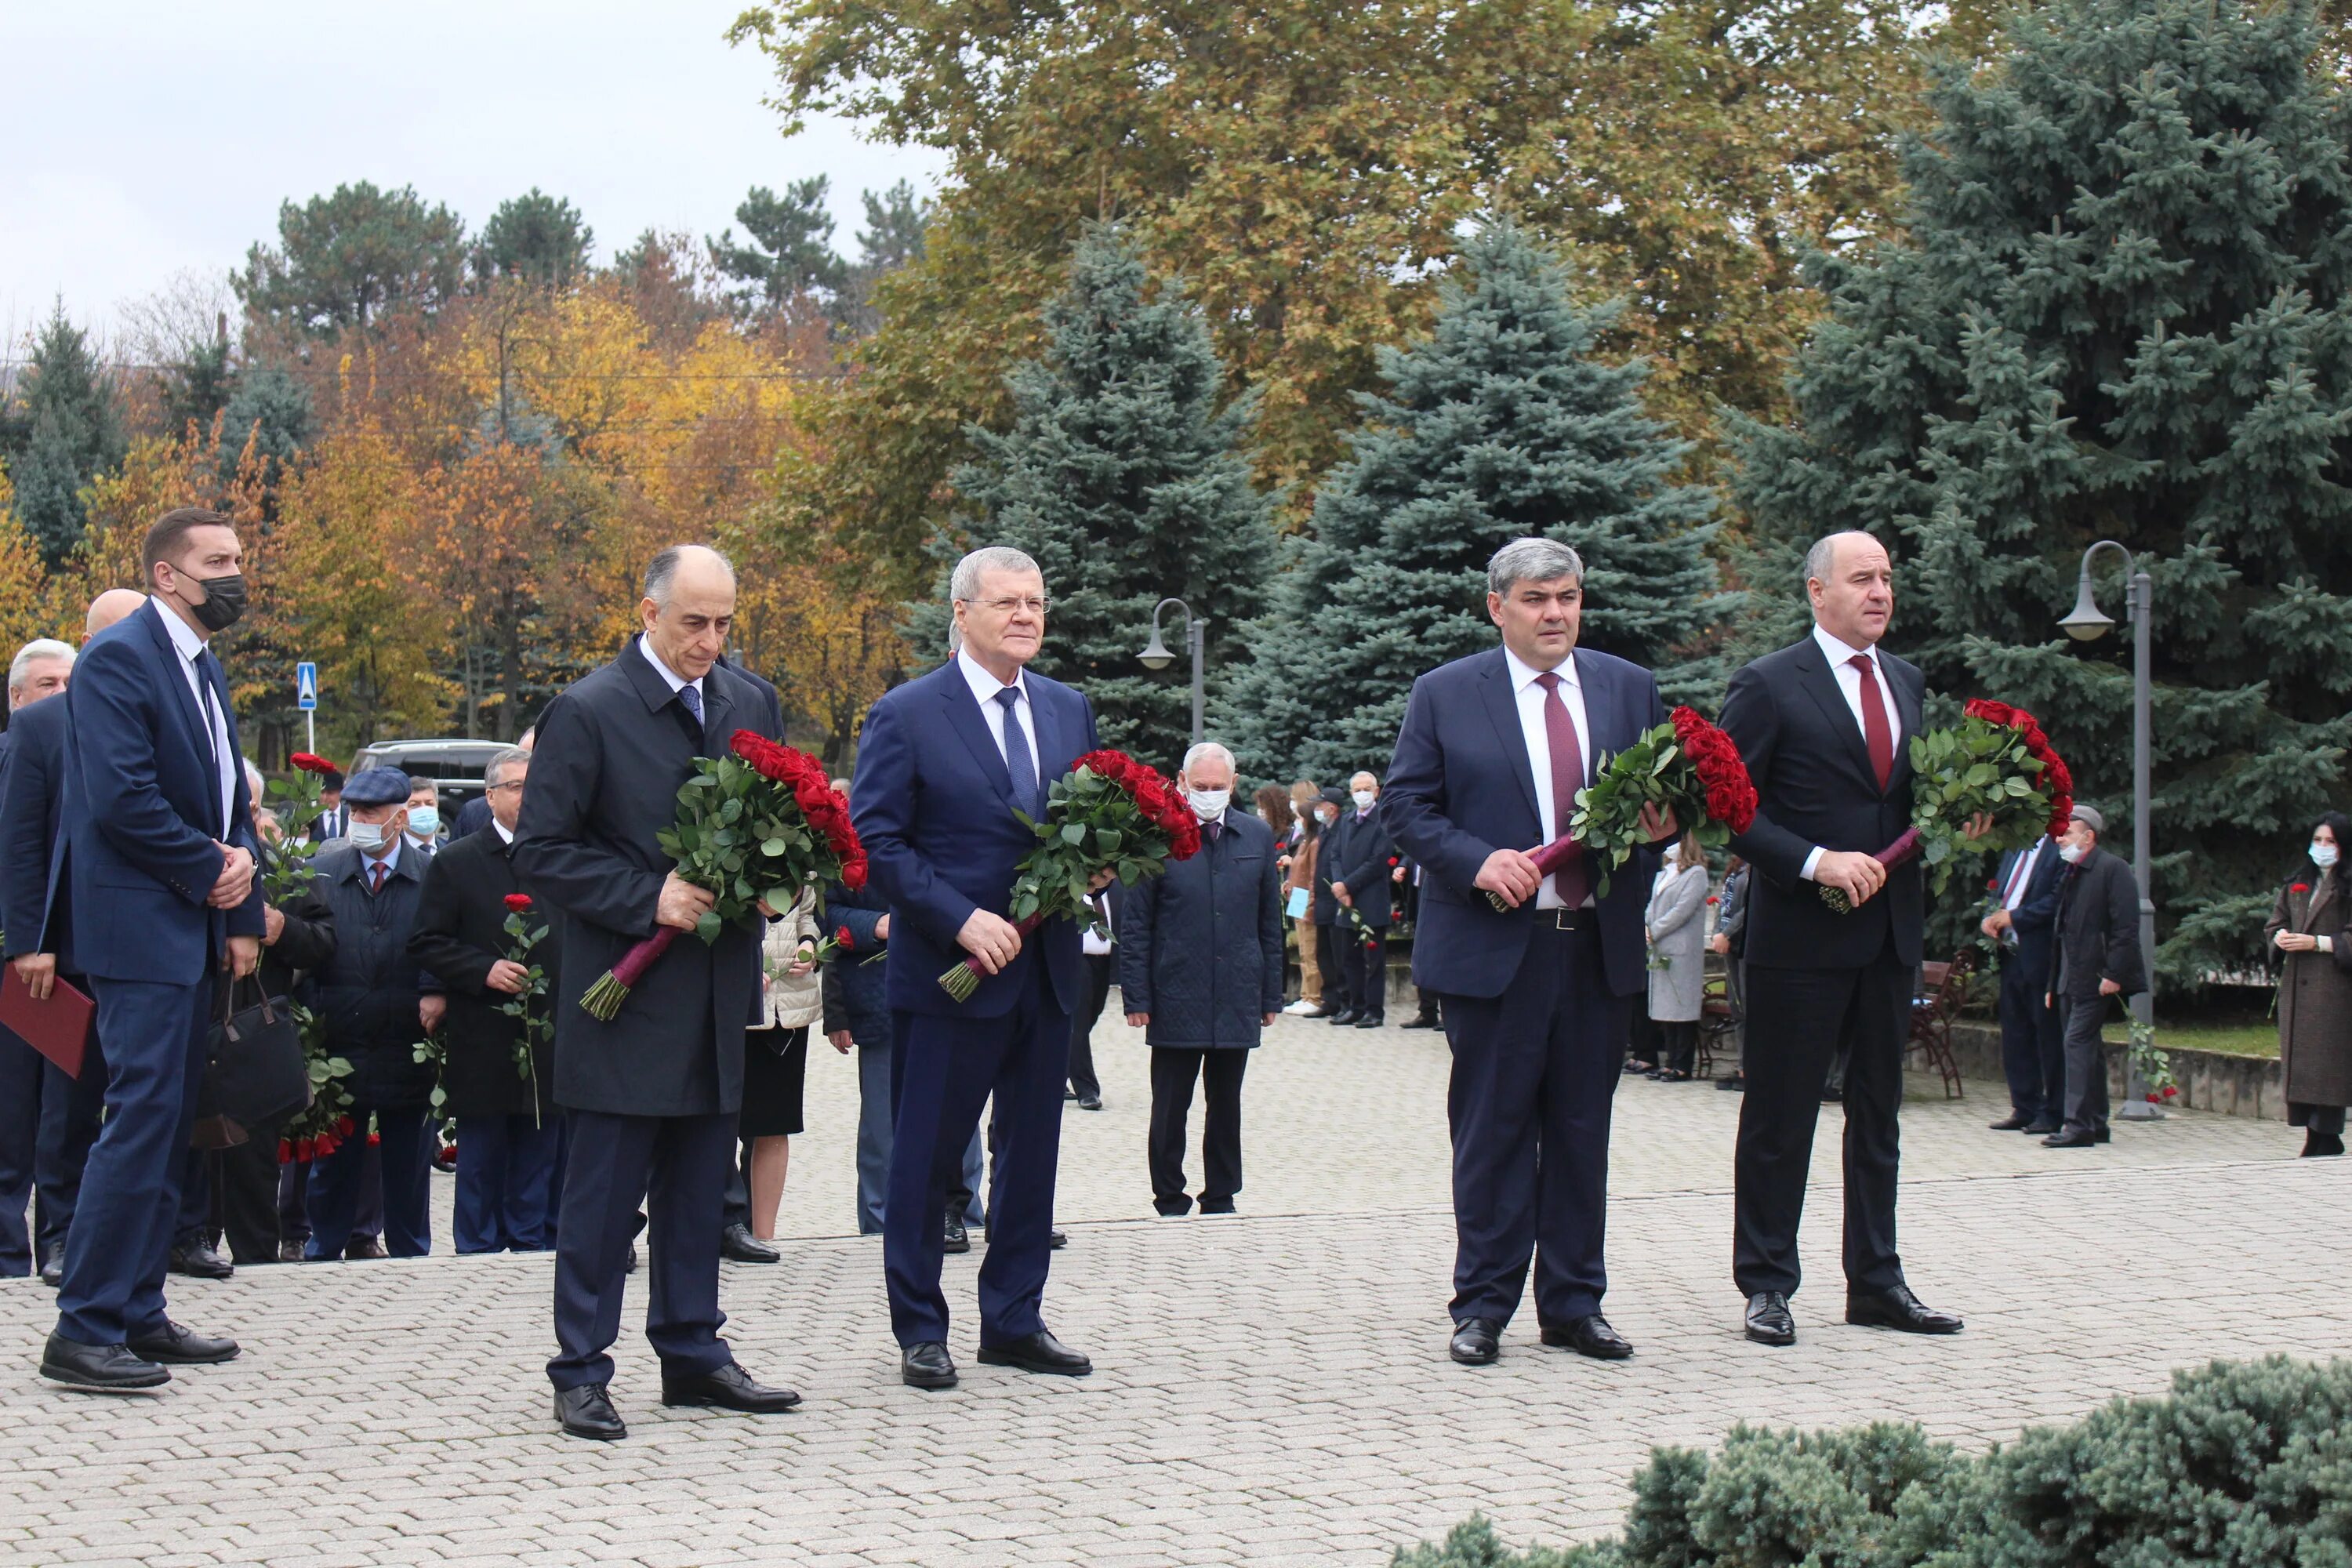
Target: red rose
[853,873]
[518,902]
[843,940]
[285,1150]
[343,1125]
[311,762]
[375,1138]
[2300,888]
[1989,712]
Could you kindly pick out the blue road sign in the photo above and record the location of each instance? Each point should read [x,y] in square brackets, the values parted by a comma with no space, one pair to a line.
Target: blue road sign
[306,687]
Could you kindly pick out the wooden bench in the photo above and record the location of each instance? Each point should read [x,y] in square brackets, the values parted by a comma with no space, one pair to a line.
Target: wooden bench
[1936,1006]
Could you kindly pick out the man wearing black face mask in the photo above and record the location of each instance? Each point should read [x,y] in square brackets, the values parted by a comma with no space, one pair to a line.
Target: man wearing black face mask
[158,852]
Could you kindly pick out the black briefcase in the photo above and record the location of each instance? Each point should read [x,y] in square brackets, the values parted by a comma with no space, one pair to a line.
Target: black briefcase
[255,1072]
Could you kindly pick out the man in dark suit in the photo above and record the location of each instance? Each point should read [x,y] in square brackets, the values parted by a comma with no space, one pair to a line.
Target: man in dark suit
[507,1127]
[158,853]
[28,1079]
[1099,952]
[2095,956]
[1362,881]
[652,1093]
[330,822]
[2023,921]
[1825,726]
[1488,761]
[1341,1006]
[944,762]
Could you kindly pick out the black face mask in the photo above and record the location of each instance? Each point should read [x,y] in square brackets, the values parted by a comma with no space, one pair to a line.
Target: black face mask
[224,601]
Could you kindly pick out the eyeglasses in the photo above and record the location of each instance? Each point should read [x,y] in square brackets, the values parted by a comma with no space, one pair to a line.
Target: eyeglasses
[511,783]
[1036,607]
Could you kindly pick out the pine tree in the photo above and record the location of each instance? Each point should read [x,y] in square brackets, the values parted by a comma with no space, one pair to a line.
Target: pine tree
[535,237]
[1124,479]
[1500,426]
[2120,312]
[68,430]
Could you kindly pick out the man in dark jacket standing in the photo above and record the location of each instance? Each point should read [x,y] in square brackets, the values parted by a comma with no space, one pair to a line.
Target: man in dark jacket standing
[507,1127]
[1340,1007]
[374,1004]
[2023,920]
[653,1092]
[1200,961]
[2098,957]
[1360,880]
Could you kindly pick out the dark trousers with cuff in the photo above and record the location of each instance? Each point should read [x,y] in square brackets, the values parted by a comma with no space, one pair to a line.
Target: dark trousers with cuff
[1095,972]
[2032,1043]
[1173,1073]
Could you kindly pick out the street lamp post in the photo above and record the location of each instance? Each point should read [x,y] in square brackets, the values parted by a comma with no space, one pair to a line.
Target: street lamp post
[2085,623]
[1156,655]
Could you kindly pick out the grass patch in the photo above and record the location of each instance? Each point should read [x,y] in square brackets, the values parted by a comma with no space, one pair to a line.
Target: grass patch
[2230,1039]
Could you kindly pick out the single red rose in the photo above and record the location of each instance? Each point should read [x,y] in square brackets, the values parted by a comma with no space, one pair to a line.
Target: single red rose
[343,1125]
[374,1138]
[853,874]
[518,902]
[842,938]
[285,1150]
[311,762]
[2300,888]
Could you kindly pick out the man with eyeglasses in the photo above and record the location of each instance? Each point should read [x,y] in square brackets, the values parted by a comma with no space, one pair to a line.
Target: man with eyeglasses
[943,765]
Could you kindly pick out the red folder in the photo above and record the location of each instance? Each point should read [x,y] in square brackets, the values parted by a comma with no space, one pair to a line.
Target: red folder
[58,1028]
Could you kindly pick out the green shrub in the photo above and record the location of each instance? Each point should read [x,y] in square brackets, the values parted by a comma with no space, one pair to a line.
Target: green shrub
[2241,1466]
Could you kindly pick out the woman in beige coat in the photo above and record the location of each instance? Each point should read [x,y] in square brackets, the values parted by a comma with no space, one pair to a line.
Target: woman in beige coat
[2312,926]
[775,1057]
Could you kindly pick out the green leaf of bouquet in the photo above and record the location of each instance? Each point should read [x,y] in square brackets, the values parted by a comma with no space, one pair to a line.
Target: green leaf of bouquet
[1074,834]
[709,926]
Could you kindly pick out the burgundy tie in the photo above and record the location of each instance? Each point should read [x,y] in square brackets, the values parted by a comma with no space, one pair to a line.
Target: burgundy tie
[1212,827]
[1874,732]
[1566,778]
[375,875]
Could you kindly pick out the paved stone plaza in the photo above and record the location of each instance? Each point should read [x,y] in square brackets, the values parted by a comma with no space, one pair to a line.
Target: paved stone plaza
[1271,1388]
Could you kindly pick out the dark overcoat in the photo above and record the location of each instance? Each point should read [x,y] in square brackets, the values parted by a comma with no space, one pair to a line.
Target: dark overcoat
[2098,930]
[460,936]
[612,753]
[2315,995]
[370,988]
[1199,946]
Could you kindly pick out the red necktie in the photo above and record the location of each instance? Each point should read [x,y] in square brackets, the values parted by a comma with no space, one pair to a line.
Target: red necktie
[375,874]
[1874,732]
[1566,778]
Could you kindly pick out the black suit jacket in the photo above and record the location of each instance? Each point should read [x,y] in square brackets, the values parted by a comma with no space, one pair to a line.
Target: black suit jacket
[2098,930]
[459,934]
[1815,787]
[32,795]
[1362,864]
[613,751]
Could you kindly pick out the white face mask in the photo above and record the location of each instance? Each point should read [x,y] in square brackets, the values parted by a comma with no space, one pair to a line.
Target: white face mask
[2070,853]
[368,836]
[1364,798]
[1328,816]
[2323,856]
[1208,804]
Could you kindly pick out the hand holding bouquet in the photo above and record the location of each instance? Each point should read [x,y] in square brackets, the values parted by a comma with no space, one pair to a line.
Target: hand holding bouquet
[1111,813]
[1991,779]
[1685,768]
[753,828]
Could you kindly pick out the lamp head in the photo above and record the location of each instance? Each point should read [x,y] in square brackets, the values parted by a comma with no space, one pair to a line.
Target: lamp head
[1155,654]
[2087,622]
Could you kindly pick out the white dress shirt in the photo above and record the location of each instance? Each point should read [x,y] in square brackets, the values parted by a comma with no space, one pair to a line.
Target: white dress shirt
[670,677]
[2021,877]
[191,647]
[1849,681]
[506,833]
[1530,697]
[984,687]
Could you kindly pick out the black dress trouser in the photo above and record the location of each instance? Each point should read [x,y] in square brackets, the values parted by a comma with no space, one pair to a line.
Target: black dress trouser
[1798,1021]
[1366,967]
[1173,1072]
[1094,973]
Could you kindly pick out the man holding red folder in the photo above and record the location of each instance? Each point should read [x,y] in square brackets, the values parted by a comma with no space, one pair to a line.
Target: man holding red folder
[158,853]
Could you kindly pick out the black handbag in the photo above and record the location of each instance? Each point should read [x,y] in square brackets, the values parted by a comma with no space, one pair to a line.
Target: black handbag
[255,1072]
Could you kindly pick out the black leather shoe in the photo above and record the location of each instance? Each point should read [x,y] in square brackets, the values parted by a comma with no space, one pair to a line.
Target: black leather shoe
[289,1251]
[366,1246]
[729,1388]
[587,1412]
[1419,1021]
[2039,1128]
[629,1262]
[2013,1123]
[1769,1321]
[1834,1094]
[1372,1020]
[1477,1342]
[2104,1136]
[1589,1336]
[1344,1016]
[1056,1239]
[2315,1146]
[1216,1206]
[1898,1308]
[737,1243]
[1736,1084]
[53,1272]
[926,1365]
[2071,1138]
[1090,1102]
[98,1369]
[199,1261]
[958,1239]
[1040,1352]
[173,1345]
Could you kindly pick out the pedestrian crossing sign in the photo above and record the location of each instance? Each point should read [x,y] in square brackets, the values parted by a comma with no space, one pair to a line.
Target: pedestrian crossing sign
[306,687]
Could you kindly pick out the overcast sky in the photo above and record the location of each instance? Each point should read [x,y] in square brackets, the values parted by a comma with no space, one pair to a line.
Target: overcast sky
[142,138]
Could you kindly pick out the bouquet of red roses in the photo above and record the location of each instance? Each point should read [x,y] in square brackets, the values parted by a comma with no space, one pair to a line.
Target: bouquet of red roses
[1994,764]
[1110,812]
[1685,765]
[754,827]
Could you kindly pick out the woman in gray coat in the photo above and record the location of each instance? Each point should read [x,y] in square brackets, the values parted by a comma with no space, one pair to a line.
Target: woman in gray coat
[2311,926]
[1676,925]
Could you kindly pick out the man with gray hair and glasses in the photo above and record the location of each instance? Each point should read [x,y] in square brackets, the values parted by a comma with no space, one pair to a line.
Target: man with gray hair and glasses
[1535,995]
[944,762]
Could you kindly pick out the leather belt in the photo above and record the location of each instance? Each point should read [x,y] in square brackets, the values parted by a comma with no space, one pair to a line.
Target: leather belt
[1568,920]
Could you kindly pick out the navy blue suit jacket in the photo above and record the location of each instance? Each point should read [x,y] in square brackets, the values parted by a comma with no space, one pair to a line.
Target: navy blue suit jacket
[32,809]
[140,847]
[934,805]
[1461,787]
[2035,919]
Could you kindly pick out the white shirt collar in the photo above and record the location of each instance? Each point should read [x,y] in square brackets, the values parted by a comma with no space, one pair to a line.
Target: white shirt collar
[506,833]
[390,863]
[184,636]
[670,677]
[1523,674]
[984,684]
[1838,651]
